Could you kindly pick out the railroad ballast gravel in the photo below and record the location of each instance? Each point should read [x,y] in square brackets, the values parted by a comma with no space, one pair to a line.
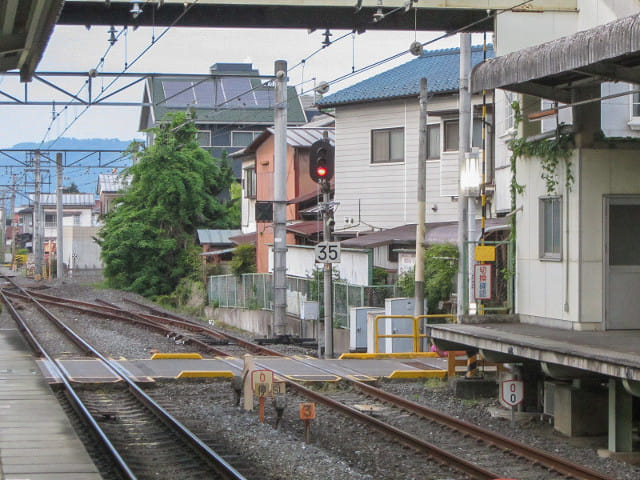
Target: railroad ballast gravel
[282,453]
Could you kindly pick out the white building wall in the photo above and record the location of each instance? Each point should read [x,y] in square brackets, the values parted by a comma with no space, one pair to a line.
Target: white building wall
[544,27]
[546,290]
[248,205]
[384,195]
[354,265]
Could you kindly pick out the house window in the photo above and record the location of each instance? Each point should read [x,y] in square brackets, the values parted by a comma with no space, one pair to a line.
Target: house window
[551,228]
[387,145]
[204,138]
[635,105]
[242,139]
[250,182]
[49,220]
[509,117]
[433,142]
[76,219]
[451,136]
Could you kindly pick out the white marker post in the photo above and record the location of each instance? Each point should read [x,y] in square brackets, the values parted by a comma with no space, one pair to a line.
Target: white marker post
[512,393]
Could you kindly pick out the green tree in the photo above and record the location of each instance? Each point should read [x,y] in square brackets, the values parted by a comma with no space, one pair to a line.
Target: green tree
[149,241]
[244,259]
[73,188]
[440,270]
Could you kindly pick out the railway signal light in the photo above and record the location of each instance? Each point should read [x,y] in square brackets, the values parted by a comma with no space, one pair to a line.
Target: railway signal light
[321,158]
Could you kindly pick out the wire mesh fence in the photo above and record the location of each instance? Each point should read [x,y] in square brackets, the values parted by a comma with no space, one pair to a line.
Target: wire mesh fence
[254,291]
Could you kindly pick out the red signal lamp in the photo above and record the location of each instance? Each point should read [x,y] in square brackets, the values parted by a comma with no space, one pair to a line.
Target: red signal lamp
[321,171]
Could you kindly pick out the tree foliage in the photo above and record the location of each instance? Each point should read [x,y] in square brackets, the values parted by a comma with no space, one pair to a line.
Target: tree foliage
[440,269]
[244,259]
[149,241]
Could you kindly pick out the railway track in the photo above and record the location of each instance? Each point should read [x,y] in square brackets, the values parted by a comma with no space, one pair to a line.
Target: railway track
[471,451]
[142,439]
[478,453]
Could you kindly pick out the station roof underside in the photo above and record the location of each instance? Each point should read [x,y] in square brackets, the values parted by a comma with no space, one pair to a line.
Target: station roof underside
[607,53]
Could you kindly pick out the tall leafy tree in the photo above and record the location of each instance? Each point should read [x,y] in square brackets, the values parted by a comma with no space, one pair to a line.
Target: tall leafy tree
[149,241]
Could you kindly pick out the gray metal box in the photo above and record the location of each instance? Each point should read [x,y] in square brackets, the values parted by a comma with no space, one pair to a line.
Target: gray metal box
[399,306]
[358,328]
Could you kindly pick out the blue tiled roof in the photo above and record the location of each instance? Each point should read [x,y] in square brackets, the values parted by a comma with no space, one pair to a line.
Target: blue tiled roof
[440,67]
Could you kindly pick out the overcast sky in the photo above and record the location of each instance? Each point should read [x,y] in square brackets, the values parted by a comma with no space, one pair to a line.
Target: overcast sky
[184,50]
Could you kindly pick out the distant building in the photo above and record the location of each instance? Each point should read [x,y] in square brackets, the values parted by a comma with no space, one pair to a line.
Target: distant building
[231,107]
[110,187]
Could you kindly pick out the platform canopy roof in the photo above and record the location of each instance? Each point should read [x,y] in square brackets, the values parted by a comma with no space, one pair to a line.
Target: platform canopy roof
[25,27]
[609,52]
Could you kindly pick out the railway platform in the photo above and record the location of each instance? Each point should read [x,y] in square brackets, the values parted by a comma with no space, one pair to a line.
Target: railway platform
[37,441]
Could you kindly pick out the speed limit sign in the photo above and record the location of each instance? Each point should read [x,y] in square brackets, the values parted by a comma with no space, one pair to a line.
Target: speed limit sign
[327,252]
[512,392]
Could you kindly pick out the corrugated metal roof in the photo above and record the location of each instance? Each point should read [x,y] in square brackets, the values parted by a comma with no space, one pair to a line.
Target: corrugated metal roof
[68,199]
[441,68]
[608,52]
[111,183]
[304,137]
[441,232]
[217,237]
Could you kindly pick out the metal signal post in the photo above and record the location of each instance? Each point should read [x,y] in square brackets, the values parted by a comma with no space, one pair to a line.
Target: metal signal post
[321,166]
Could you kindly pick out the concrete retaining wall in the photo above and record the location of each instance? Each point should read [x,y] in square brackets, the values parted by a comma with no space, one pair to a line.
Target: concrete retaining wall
[259,323]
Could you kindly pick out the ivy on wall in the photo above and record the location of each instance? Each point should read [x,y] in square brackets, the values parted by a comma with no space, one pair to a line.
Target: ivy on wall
[552,152]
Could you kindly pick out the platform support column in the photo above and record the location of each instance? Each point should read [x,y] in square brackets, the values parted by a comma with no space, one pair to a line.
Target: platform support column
[620,417]
[472,364]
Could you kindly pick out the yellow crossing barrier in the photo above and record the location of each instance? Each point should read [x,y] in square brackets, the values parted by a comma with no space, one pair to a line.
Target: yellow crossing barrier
[416,335]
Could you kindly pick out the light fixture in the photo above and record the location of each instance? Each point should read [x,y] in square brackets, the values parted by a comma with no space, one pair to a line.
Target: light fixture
[135,9]
[112,35]
[326,42]
[378,15]
[470,177]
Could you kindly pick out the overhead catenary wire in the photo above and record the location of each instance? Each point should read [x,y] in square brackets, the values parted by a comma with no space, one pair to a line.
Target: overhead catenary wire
[127,66]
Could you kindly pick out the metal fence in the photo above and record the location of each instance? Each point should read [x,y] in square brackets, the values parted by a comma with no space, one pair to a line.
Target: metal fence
[255,291]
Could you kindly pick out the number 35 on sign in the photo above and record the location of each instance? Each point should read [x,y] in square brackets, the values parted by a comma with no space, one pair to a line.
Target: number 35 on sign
[327,252]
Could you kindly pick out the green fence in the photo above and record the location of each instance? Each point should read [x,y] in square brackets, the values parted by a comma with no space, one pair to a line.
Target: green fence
[255,291]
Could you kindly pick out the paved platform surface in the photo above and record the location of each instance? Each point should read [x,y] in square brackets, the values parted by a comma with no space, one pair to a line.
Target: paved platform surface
[614,353]
[37,442]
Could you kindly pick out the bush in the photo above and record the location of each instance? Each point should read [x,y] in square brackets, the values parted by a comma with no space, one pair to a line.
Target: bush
[244,260]
[440,270]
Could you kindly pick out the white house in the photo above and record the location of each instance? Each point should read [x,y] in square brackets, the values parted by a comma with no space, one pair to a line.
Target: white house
[80,216]
[376,156]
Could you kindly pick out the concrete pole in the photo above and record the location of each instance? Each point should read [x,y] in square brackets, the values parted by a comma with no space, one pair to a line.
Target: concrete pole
[59,217]
[14,226]
[37,220]
[422,200]
[327,286]
[280,202]
[464,146]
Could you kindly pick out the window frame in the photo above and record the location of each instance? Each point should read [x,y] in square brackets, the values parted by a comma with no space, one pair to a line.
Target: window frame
[254,134]
[446,125]
[250,182]
[546,207]
[389,132]
[437,128]
[201,133]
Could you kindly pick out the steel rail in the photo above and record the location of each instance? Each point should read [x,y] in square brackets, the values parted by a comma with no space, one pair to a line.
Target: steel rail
[217,462]
[474,471]
[558,464]
[240,341]
[75,400]
[120,315]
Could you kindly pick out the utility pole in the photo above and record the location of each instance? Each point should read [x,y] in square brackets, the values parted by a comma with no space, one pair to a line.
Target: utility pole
[37,220]
[464,146]
[279,326]
[59,217]
[14,227]
[422,201]
[327,273]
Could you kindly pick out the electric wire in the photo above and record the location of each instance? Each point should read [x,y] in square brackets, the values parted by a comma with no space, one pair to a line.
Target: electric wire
[127,66]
